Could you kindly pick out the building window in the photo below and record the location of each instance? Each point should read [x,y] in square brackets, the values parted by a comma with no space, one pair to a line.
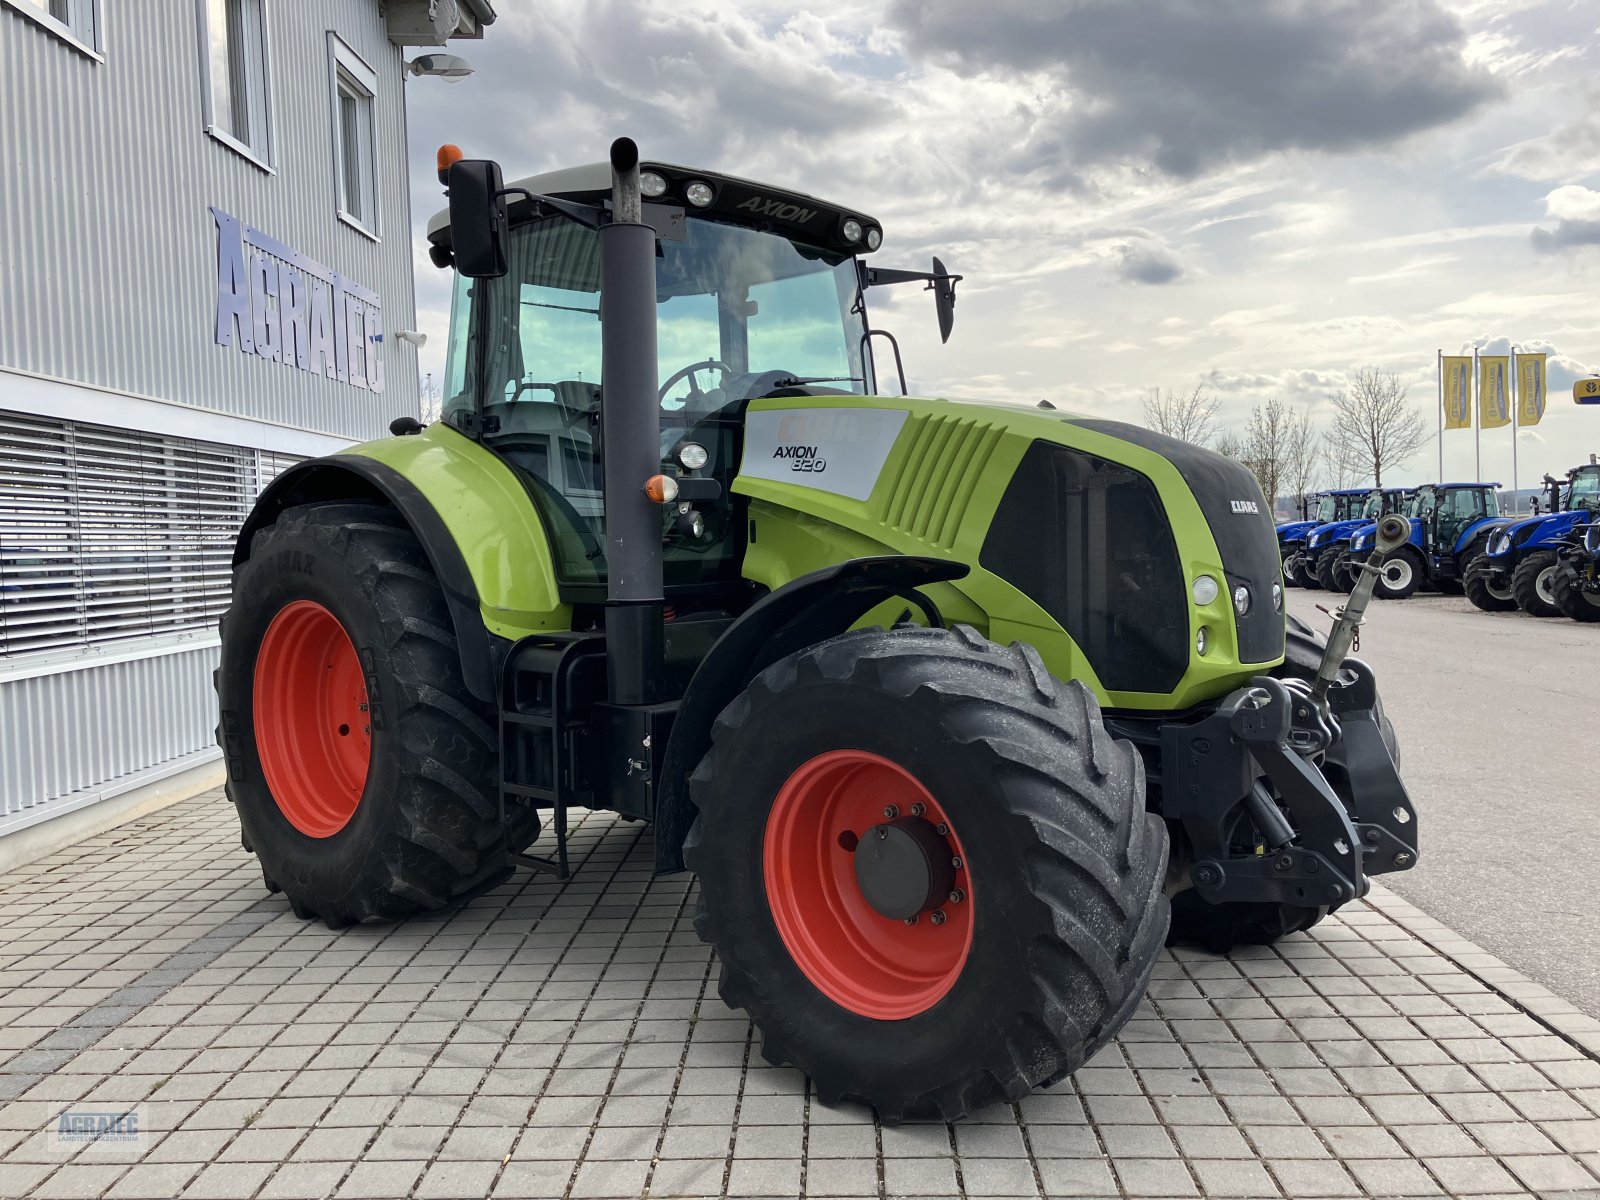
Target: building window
[353,89]
[234,56]
[110,534]
[74,21]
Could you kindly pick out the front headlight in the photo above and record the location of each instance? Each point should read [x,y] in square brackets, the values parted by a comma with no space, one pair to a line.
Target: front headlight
[1313,540]
[1591,539]
[1500,543]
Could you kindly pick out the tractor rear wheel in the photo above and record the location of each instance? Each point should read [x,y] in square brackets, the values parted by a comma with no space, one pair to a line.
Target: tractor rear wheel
[927,870]
[362,768]
[1484,589]
[1570,596]
[1400,577]
[1532,582]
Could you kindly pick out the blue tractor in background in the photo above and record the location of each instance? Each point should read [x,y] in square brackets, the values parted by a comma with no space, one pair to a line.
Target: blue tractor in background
[1451,524]
[1518,566]
[1333,508]
[1292,534]
[1327,543]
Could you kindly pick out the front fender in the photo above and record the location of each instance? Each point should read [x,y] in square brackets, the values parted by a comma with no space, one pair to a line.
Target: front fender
[801,613]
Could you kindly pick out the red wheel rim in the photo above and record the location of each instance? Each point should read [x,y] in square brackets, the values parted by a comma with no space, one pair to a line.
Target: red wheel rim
[870,964]
[312,729]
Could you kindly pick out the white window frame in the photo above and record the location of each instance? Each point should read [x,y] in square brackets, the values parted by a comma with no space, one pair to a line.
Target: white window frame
[342,60]
[70,31]
[261,156]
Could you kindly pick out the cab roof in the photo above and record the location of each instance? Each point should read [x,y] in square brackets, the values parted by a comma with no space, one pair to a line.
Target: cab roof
[795,215]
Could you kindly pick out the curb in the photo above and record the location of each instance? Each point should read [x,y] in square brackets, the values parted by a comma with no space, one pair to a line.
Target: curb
[1561,1017]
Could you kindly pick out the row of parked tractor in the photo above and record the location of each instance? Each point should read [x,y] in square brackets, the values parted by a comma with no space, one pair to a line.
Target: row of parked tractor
[1546,564]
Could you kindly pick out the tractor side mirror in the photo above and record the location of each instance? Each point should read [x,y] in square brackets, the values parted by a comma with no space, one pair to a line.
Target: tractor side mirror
[479,227]
[944,299]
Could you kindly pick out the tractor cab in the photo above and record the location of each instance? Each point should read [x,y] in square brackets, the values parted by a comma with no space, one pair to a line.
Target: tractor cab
[759,292]
[1447,516]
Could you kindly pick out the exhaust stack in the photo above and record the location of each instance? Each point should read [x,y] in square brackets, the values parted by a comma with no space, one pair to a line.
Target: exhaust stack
[630,430]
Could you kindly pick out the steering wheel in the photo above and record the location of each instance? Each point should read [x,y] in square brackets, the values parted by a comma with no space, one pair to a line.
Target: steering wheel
[707,364]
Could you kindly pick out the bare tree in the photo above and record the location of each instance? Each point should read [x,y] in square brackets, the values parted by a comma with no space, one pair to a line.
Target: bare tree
[1266,445]
[1230,445]
[1187,416]
[1303,466]
[430,393]
[1373,426]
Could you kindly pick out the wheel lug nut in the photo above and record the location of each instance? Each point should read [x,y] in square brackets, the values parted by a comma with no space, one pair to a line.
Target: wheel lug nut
[918,809]
[955,862]
[942,829]
[911,920]
[891,812]
[957,896]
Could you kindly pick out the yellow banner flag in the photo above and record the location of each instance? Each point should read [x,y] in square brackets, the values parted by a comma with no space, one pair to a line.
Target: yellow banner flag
[1494,391]
[1457,379]
[1530,388]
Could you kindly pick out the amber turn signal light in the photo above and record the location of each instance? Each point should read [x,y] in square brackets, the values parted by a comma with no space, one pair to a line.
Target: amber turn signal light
[661,488]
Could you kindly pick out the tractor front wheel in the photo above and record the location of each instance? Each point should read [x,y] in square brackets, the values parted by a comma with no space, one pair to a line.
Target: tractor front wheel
[927,870]
[1532,584]
[1401,575]
[1486,588]
[1327,562]
[362,769]
[1572,598]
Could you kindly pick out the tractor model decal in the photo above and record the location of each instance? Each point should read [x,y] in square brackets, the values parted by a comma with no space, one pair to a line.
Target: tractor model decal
[838,450]
[780,210]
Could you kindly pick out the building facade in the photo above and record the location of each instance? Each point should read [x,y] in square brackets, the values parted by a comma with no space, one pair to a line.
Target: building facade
[205,261]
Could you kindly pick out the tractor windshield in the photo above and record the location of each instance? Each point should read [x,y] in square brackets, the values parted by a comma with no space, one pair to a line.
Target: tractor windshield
[1327,510]
[740,313]
[1584,491]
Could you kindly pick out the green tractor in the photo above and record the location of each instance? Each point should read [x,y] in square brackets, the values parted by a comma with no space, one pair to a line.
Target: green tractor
[958,710]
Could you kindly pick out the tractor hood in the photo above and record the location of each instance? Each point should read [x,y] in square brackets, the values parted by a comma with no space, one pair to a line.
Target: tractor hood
[1534,530]
[1295,530]
[1326,535]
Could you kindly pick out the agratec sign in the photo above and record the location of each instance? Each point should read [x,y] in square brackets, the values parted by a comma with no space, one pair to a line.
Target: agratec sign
[276,303]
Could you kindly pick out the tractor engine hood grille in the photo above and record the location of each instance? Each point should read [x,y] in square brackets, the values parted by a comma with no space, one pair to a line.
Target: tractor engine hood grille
[1247,540]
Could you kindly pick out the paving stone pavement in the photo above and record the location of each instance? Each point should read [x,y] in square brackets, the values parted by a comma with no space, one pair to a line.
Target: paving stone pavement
[566,1040]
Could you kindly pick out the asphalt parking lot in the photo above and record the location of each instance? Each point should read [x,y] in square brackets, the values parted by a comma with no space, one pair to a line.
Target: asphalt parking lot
[1494,713]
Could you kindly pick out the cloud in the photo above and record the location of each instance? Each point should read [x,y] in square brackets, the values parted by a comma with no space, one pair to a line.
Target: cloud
[1577,213]
[1188,86]
[1149,261]
[1570,152]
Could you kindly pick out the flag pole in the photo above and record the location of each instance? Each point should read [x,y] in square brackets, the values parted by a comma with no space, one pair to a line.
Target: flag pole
[1438,373]
[1516,399]
[1477,426]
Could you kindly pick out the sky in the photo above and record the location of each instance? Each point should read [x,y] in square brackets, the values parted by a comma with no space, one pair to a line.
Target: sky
[1257,195]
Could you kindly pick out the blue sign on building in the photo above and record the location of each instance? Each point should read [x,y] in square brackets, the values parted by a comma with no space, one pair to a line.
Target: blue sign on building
[274,302]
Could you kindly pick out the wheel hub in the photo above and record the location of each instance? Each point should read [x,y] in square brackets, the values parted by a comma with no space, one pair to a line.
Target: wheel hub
[904,868]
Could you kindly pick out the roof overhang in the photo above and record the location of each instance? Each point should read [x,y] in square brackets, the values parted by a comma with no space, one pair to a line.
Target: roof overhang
[435,22]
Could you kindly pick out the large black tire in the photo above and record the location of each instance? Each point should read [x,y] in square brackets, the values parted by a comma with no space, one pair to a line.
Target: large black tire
[1221,927]
[1067,868]
[1304,573]
[425,830]
[1402,575]
[1478,582]
[1532,584]
[1344,573]
[1327,560]
[1571,598]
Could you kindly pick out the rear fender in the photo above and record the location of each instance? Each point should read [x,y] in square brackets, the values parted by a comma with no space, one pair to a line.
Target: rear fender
[801,613]
[1478,528]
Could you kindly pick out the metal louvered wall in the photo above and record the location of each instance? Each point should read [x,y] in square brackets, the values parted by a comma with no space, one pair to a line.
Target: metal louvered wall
[115,549]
